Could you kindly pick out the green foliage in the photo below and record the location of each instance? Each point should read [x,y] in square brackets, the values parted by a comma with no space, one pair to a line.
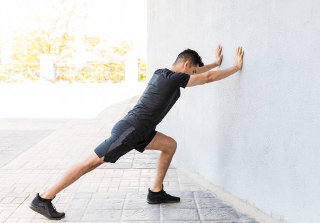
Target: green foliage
[122,49]
[112,72]
[91,41]
[11,73]
[51,35]
[87,73]
[28,46]
[142,69]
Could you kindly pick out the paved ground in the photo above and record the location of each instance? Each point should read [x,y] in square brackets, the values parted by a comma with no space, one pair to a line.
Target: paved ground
[35,153]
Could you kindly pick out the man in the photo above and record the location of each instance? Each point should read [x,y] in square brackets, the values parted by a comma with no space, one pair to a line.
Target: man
[137,129]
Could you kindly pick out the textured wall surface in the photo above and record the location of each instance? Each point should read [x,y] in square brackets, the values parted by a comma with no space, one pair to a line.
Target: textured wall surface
[255,133]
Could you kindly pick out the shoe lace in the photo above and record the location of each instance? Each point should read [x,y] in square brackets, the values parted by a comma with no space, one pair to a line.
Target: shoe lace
[165,194]
[53,207]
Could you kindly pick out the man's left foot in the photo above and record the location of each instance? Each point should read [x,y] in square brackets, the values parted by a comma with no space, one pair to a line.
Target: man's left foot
[46,208]
[161,197]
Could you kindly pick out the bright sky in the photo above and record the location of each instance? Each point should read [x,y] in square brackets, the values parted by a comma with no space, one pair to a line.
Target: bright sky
[112,19]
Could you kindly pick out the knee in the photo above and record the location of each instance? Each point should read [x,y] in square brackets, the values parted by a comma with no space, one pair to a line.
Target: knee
[92,162]
[95,162]
[172,146]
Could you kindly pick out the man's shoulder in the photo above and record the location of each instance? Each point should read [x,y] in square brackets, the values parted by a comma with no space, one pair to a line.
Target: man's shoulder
[166,75]
[161,74]
[165,72]
[161,71]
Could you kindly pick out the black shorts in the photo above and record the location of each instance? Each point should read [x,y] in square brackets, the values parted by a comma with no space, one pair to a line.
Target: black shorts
[124,137]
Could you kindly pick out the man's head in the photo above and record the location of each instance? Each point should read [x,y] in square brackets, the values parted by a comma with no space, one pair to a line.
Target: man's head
[187,61]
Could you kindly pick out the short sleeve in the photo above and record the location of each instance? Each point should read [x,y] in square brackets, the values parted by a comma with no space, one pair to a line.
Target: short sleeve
[180,79]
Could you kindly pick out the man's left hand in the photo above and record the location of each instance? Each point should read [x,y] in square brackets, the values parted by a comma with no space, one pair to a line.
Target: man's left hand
[218,56]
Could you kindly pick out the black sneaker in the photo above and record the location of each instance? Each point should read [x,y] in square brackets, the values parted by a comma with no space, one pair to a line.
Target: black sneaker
[46,208]
[161,197]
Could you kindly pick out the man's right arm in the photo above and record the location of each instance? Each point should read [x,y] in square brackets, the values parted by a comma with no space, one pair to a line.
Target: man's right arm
[210,76]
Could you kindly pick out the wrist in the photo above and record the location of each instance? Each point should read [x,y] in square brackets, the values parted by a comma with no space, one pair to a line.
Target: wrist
[215,64]
[235,68]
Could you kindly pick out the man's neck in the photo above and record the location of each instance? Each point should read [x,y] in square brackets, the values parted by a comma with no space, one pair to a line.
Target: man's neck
[176,69]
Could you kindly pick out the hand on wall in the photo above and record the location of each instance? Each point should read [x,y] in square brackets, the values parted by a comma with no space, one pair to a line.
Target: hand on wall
[237,60]
[218,56]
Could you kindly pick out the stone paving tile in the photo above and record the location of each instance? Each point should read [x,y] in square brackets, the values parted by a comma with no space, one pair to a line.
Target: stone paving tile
[133,204]
[218,214]
[185,203]
[141,214]
[210,202]
[79,204]
[14,142]
[181,214]
[106,204]
[102,215]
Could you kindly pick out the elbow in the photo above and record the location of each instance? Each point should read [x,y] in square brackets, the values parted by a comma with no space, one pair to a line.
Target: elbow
[210,77]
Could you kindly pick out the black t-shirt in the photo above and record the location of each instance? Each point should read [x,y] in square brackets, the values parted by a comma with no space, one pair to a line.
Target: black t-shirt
[162,92]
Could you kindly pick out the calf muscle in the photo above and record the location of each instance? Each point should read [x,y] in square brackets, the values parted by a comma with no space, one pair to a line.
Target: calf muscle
[73,174]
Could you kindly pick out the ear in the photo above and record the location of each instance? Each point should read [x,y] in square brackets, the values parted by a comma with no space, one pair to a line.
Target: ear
[186,65]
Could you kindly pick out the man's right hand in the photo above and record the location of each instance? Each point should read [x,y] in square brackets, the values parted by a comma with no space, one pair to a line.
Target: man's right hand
[237,60]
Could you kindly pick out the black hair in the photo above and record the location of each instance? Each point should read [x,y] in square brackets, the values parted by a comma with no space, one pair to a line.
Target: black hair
[190,55]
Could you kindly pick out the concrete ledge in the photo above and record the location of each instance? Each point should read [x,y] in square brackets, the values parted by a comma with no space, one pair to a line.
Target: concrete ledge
[224,195]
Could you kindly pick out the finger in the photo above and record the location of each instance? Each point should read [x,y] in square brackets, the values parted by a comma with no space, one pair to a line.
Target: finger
[218,53]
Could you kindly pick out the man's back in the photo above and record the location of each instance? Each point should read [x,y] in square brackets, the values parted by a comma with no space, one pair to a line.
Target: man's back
[162,92]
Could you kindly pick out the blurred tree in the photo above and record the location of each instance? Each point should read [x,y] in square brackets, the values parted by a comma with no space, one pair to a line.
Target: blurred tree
[52,34]
[91,41]
[27,47]
[60,34]
[122,48]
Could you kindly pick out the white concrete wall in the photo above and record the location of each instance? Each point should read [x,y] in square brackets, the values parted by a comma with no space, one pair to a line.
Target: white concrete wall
[256,133]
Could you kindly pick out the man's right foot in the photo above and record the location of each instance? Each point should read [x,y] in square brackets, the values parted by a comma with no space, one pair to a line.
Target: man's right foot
[161,197]
[46,208]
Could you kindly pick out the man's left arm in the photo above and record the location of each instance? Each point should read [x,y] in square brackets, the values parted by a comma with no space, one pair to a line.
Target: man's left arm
[218,60]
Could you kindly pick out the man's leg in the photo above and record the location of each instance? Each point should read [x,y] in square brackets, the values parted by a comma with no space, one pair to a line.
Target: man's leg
[73,174]
[42,203]
[167,146]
